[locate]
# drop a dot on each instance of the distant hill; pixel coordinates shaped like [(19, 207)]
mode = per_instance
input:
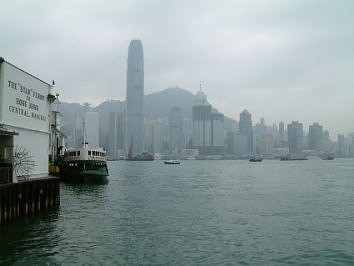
[(156, 105)]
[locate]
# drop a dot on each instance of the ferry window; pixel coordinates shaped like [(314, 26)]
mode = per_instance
[(89, 152), (78, 153)]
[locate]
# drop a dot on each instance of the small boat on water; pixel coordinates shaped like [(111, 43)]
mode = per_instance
[(172, 162), (328, 157), (84, 165), (293, 158), (145, 156), (255, 158)]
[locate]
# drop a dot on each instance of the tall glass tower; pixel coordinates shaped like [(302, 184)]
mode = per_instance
[(245, 129), (135, 96), (175, 129)]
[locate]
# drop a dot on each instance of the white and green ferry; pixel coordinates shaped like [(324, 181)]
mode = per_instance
[(84, 164)]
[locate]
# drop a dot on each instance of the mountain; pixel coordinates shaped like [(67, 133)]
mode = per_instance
[(159, 103)]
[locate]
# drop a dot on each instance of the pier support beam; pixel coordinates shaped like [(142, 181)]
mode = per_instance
[(28, 198)]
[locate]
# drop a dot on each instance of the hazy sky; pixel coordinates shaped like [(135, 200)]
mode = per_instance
[(281, 60)]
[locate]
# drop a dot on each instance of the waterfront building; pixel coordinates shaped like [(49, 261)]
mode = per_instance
[(260, 128), (315, 137), (208, 127), (188, 132), (245, 129), (154, 136), (57, 138), (218, 134), (25, 109), (201, 121), (327, 143), (176, 141), (27, 128), (295, 137), (266, 144), (229, 142), (342, 145), (117, 134), (135, 96), (241, 147), (281, 135), (92, 129)]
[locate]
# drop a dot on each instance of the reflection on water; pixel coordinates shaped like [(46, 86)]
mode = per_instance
[(92, 189), (19, 240), (198, 213)]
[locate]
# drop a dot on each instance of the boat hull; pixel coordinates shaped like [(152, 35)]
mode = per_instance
[(293, 159), (256, 160), (172, 162), (84, 171)]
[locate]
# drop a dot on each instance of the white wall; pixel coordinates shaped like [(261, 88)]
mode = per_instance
[(25, 109), (36, 143), (23, 100)]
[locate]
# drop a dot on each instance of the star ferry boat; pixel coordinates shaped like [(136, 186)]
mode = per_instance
[(84, 165)]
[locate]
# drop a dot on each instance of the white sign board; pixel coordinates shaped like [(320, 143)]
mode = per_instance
[(23, 99)]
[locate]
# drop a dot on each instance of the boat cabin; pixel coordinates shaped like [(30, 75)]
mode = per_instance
[(85, 153)]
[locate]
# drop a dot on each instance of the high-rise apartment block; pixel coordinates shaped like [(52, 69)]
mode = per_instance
[(208, 127), (176, 129), (315, 138), (245, 129), (155, 136), (117, 134), (295, 137), (92, 129)]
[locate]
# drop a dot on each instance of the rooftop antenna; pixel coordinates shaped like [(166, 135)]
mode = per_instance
[(200, 86)]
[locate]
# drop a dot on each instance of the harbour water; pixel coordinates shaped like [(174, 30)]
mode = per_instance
[(196, 213)]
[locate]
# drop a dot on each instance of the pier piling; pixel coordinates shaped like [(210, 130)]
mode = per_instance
[(28, 198)]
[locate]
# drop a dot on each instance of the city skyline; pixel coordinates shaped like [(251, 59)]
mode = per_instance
[(282, 60), (235, 117)]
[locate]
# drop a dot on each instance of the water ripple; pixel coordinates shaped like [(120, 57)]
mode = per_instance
[(200, 213)]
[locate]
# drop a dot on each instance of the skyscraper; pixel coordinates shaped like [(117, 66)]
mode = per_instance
[(201, 121), (135, 96), (175, 128), (245, 129), (316, 137), (208, 127), (91, 128), (281, 135), (117, 134), (295, 137)]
